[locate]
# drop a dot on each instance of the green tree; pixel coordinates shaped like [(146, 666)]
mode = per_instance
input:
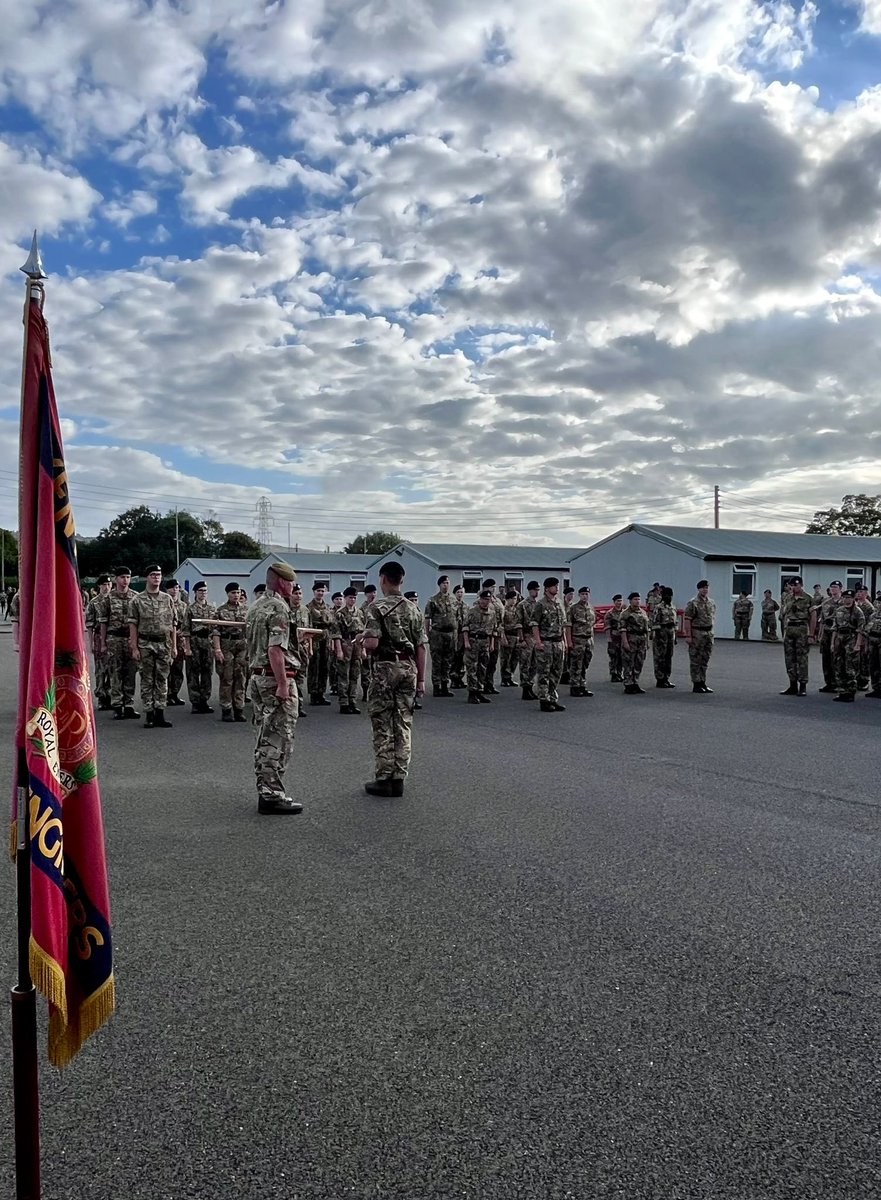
[(236, 544), (378, 542), (140, 536), (9, 550), (858, 516)]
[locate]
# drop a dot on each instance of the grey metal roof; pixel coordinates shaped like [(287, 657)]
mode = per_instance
[(222, 566), (324, 562), (764, 545), (462, 554)]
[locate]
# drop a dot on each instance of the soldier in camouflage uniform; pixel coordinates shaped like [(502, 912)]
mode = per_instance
[(102, 662), (799, 629), (742, 612), (865, 605), (442, 626), (366, 663), (652, 600), (512, 637), (700, 617), (873, 639), (114, 611), (663, 622), (395, 637), (198, 634), (634, 626), (153, 644), (550, 632), (176, 674), (847, 643), (582, 619), (489, 675), (480, 630), (302, 644), (613, 628), (770, 608), (273, 665), (320, 617), (527, 652), (230, 647), (568, 601), (346, 635), (828, 605)]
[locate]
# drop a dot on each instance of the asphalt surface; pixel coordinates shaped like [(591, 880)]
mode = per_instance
[(626, 951)]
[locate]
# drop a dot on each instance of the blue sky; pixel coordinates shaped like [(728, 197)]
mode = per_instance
[(469, 272)]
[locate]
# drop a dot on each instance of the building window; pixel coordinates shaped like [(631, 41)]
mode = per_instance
[(358, 582), (788, 572), (854, 578), (743, 578), (471, 582), (514, 581)]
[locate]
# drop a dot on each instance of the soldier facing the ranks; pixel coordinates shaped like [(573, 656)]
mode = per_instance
[(663, 623), (347, 635), (320, 617), (613, 628), (176, 674), (582, 620), (273, 665), (828, 605), (197, 631), (113, 627), (770, 609), (442, 626), (700, 618), (153, 645), (549, 625), (742, 612), (480, 630), (102, 664), (849, 624), (395, 638), (230, 647), (799, 631), (634, 626)]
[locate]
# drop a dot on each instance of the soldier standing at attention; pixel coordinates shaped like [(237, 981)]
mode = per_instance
[(320, 617), (114, 612), (102, 664), (395, 637), (199, 637), (865, 605), (770, 608), (828, 606), (568, 601), (489, 680), (176, 674), (442, 626), (153, 644), (273, 665), (873, 638), (457, 670), (801, 624), (849, 624), (742, 612), (652, 600), (663, 622), (512, 636), (230, 647), (613, 627), (527, 652), (336, 603), (369, 597), (550, 628), (347, 635), (582, 619), (479, 632), (700, 617), (302, 643), (634, 628)]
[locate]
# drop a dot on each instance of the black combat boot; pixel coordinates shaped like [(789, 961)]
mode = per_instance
[(473, 698), (792, 690), (227, 715), (119, 713), (380, 787), (354, 711), (707, 691), (130, 714), (397, 787), (803, 688), (698, 688), (846, 697), (159, 721), (238, 715), (482, 699), (547, 706), (148, 718), (528, 694)]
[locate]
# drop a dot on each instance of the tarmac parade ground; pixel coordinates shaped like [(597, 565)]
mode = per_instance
[(627, 951)]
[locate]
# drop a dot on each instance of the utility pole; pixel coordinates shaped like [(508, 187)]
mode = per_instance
[(176, 539), (716, 507)]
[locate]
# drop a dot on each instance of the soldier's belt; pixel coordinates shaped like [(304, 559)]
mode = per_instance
[(702, 628), (443, 629), (117, 633), (153, 637), (477, 637), (201, 633), (289, 674), (393, 656), (552, 639)]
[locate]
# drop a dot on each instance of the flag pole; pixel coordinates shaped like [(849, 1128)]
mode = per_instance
[(23, 996)]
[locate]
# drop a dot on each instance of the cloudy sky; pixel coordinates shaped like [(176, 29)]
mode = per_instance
[(494, 271)]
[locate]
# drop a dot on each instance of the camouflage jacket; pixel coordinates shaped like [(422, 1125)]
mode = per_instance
[(199, 608), (441, 611), (634, 622), (348, 624), (268, 623), (229, 612), (663, 616), (480, 623), (848, 622), (549, 618), (115, 609), (582, 618), (398, 625), (613, 622), (701, 612), (742, 607), (154, 615), (797, 610), (828, 607)]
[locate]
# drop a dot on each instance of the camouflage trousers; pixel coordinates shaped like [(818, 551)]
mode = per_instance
[(442, 643), (549, 668), (233, 673), (847, 665), (123, 671), (510, 658), (176, 676), (319, 665), (476, 660), (796, 653), (580, 658), (155, 665), (663, 645), (275, 721), (699, 650), (741, 627), (489, 673), (827, 657), (616, 657), (102, 678), (527, 663), (199, 666), (769, 627), (457, 671), (348, 673), (875, 661), (390, 704), (634, 658)]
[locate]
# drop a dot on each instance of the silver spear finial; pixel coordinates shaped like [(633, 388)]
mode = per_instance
[(33, 268)]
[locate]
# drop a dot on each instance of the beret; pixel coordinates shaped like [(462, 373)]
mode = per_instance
[(533, 583), (617, 596), (633, 596), (151, 570), (122, 571), (847, 592), (200, 585), (703, 583), (171, 583), (551, 581), (337, 596), (260, 588), (232, 587), (836, 583), (283, 571), (350, 591), (582, 591), (103, 579)]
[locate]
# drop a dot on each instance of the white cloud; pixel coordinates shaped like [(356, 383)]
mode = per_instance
[(39, 192)]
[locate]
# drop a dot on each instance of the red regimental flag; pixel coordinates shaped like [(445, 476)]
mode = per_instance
[(70, 947)]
